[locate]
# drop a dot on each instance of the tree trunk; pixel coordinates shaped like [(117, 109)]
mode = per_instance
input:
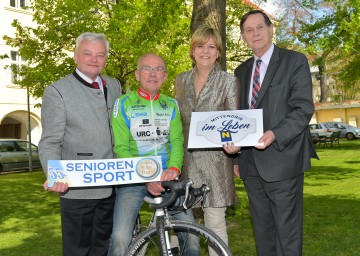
[(211, 12), (323, 85)]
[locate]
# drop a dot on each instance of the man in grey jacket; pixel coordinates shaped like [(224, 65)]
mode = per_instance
[(76, 113)]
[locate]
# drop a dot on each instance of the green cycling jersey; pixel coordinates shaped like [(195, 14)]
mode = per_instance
[(148, 127)]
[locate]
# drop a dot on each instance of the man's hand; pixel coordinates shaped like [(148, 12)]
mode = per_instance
[(155, 188), (59, 187), (169, 175), (267, 138)]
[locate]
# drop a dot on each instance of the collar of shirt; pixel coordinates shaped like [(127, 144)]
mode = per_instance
[(265, 60), (98, 79), (147, 95)]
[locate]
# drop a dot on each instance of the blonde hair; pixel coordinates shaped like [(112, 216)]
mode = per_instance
[(201, 35)]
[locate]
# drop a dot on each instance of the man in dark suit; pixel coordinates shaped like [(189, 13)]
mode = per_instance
[(76, 121), (273, 173)]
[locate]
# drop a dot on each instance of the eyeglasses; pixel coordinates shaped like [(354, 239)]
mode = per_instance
[(157, 70)]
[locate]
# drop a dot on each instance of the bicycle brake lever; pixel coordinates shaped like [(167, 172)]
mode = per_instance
[(205, 190), (187, 187)]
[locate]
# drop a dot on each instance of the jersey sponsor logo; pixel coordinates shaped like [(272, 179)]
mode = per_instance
[(163, 104), (136, 115), (138, 106), (143, 133), (161, 122), (116, 108), (159, 132), (147, 168), (162, 114)]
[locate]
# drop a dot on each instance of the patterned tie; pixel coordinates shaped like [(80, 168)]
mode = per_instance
[(256, 83), (95, 85)]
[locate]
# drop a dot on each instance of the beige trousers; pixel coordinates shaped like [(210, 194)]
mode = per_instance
[(214, 219)]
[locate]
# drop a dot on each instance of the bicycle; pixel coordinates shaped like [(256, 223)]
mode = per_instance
[(156, 239)]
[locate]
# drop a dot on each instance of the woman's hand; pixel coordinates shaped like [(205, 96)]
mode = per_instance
[(230, 148)]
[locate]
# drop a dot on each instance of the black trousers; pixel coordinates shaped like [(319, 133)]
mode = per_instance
[(86, 226), (277, 213)]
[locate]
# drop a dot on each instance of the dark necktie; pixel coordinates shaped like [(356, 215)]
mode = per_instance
[(255, 84), (95, 85)]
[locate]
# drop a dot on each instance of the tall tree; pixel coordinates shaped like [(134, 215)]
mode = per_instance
[(211, 12)]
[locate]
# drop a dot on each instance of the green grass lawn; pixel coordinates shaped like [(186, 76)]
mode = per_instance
[(30, 220)]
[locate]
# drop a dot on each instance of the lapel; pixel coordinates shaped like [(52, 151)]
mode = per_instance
[(270, 72), (248, 73)]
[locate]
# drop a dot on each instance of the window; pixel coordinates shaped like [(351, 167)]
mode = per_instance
[(23, 146), (19, 3), (16, 61)]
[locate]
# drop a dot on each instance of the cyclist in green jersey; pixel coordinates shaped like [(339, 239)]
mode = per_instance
[(147, 123)]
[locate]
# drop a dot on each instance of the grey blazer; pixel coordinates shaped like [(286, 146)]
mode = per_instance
[(286, 99), (76, 122)]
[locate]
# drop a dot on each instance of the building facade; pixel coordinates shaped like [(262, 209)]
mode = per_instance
[(15, 119), (333, 110)]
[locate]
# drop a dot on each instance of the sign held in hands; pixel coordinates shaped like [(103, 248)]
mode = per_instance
[(87, 173), (214, 129)]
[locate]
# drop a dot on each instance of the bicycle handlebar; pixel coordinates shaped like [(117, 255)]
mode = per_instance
[(176, 188)]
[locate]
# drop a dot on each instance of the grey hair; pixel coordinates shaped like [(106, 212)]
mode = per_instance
[(94, 37)]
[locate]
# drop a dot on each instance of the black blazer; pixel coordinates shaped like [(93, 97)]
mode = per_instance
[(286, 99)]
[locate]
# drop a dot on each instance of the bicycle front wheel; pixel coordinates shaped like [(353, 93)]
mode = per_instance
[(148, 240)]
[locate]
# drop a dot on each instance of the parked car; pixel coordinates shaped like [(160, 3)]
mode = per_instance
[(346, 131), (14, 155), (322, 129)]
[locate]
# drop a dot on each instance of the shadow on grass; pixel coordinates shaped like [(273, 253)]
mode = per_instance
[(317, 174), (352, 162), (344, 145)]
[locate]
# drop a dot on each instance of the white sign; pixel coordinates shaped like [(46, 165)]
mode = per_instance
[(87, 173), (214, 129)]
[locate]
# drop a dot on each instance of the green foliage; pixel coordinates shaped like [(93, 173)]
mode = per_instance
[(328, 33), (330, 37), (132, 28), (236, 50)]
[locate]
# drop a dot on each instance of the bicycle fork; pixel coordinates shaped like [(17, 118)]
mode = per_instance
[(163, 234)]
